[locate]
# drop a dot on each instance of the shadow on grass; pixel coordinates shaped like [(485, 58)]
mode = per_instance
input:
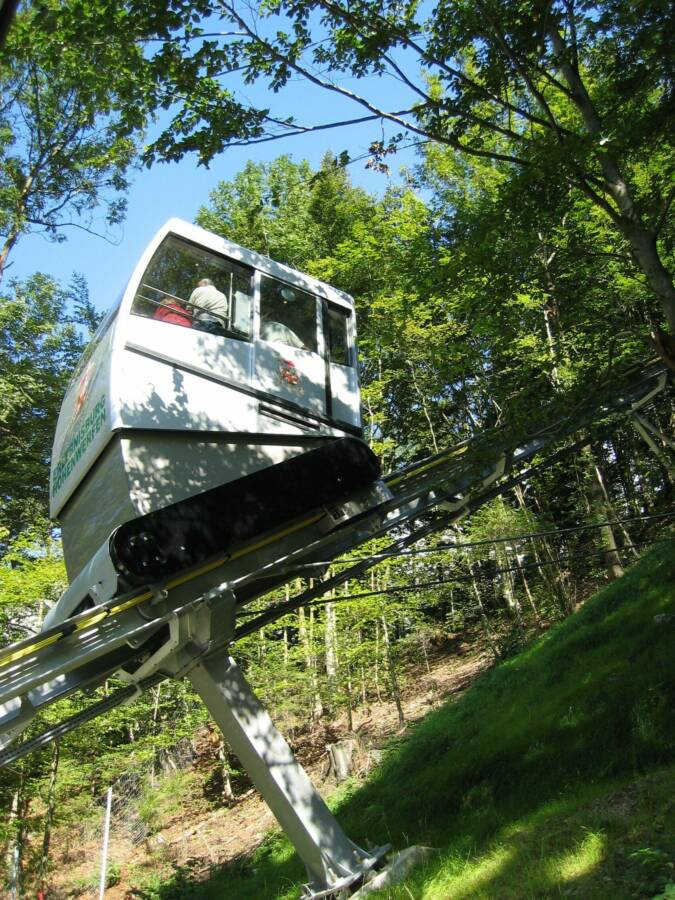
[(489, 779), (272, 871), (606, 841)]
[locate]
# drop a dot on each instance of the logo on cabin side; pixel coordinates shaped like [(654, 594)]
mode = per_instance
[(289, 373), (78, 444)]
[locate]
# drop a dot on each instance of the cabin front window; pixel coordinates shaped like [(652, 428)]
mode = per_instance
[(287, 315), (190, 286)]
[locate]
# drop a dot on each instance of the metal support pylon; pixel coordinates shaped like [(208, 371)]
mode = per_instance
[(650, 433), (334, 863)]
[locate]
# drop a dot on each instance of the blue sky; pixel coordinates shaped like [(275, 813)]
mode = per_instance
[(179, 189)]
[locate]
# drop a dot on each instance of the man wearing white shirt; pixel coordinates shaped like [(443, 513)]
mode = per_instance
[(210, 306)]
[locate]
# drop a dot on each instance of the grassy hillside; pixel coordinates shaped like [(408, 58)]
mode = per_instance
[(553, 776)]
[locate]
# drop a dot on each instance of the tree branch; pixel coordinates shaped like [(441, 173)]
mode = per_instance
[(279, 57), (405, 40), (522, 71)]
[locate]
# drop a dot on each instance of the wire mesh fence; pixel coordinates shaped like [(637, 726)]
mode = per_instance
[(78, 871)]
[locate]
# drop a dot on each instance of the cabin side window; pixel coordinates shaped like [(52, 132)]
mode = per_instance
[(338, 336), (189, 286), (93, 344), (287, 314)]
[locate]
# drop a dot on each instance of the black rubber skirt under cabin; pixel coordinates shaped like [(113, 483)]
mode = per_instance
[(184, 534)]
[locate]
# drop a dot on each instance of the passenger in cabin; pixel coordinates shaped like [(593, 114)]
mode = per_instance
[(209, 307), (172, 310), (278, 307), (276, 331)]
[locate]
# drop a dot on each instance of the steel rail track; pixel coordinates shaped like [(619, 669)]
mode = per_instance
[(88, 648)]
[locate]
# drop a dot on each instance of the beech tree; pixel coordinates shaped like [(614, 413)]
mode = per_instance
[(39, 346), (537, 272), (288, 211), (65, 150), (578, 93)]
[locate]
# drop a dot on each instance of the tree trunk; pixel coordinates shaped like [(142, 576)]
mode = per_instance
[(602, 509), (15, 845), (341, 756), (350, 701), (507, 580), (362, 672), (626, 217), (155, 713), (391, 670), (18, 215), (489, 634), (346, 663), (330, 636), (424, 638), (5, 251), (547, 563), (377, 645), (646, 255), (551, 308), (306, 640), (228, 792), (626, 472), (528, 594), (554, 575), (425, 407), (49, 818)]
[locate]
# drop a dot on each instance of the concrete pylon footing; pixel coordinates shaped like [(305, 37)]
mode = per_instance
[(401, 865)]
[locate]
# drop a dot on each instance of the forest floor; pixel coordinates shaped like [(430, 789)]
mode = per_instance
[(195, 839)]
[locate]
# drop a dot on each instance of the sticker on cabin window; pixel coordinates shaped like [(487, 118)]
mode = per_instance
[(289, 372), (83, 388)]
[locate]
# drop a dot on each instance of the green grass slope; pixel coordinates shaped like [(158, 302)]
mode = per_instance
[(553, 776)]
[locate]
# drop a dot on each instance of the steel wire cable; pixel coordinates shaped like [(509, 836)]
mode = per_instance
[(424, 585), (483, 578), (448, 545), (75, 721)]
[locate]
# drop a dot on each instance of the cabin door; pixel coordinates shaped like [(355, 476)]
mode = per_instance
[(289, 354), (343, 397)]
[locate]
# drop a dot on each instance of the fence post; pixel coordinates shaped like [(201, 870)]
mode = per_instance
[(104, 850)]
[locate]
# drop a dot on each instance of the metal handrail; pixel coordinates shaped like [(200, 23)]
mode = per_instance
[(225, 321)]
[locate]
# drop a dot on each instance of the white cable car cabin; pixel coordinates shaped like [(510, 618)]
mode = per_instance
[(202, 414)]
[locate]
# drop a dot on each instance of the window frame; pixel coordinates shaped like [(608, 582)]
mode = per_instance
[(97, 337), (228, 331), (318, 316), (348, 315)]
